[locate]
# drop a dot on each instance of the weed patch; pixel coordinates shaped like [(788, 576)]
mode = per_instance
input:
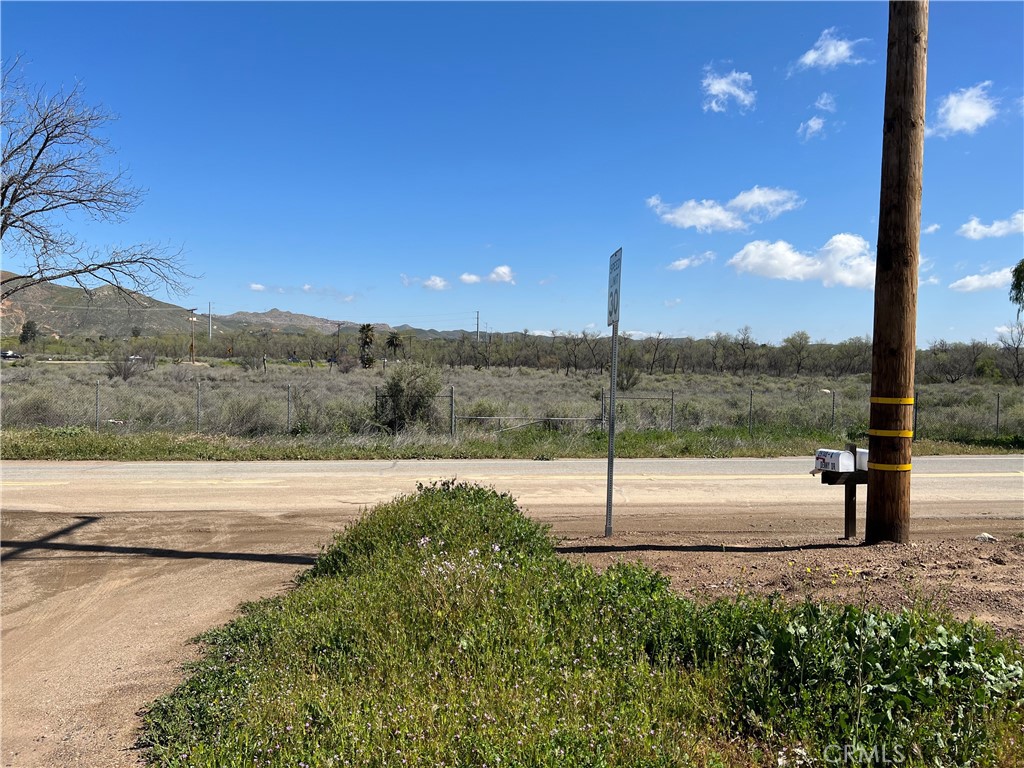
[(442, 629)]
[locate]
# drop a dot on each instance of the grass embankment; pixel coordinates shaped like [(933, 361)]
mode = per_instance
[(442, 629), (82, 444)]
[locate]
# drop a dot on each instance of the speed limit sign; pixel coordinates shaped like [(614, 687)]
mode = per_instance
[(614, 279)]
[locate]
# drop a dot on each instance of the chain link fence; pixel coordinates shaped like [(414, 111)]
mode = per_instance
[(325, 407)]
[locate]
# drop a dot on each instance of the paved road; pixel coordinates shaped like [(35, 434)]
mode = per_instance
[(944, 485), (109, 568)]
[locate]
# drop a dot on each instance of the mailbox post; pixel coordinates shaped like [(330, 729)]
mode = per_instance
[(844, 468)]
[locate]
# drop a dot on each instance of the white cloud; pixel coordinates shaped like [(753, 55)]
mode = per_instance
[(407, 281), (844, 260), (718, 89), (826, 102), (830, 51), (469, 279), (692, 261), (972, 283), (975, 230), (673, 302), (257, 287), (964, 111), (765, 202), (502, 274), (703, 215), (811, 128), (435, 283), (751, 206), (931, 229), (306, 288)]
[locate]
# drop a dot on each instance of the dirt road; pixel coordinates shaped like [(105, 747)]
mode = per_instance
[(108, 569)]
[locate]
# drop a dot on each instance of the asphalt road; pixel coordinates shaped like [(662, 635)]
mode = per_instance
[(942, 486), (109, 568)]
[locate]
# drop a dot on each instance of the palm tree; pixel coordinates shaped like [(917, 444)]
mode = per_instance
[(366, 345), (394, 343)]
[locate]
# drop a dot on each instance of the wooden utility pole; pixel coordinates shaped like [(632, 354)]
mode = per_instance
[(899, 230), (192, 342)]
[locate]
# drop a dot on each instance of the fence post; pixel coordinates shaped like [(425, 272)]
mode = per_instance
[(97, 406), (750, 416), (672, 413), (288, 420), (453, 412), (604, 416), (997, 414), (199, 408)]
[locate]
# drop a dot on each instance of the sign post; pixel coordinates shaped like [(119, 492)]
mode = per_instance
[(614, 280)]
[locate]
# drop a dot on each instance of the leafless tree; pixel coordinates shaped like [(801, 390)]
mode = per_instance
[(745, 344), (1012, 343), (651, 347), (54, 167)]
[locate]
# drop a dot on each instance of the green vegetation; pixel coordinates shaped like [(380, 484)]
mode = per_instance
[(83, 443), (442, 629), (294, 411), (29, 332)]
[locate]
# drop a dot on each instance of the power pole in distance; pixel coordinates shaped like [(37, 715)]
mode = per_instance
[(192, 343), (899, 229)]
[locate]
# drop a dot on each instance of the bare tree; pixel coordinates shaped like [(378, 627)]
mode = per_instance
[(650, 347), (1012, 348), (54, 167), (744, 341)]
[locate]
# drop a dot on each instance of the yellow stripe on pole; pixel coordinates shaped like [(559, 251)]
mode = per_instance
[(893, 400), (891, 432), (889, 467)]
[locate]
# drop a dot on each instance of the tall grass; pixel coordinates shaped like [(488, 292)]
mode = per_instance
[(225, 399), (442, 630)]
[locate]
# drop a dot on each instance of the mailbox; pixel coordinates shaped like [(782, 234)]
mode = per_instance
[(834, 461), (862, 459), (826, 460), (848, 468)]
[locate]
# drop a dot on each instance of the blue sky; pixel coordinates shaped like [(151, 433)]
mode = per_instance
[(417, 163)]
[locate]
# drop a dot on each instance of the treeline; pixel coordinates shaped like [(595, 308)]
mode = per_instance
[(571, 353)]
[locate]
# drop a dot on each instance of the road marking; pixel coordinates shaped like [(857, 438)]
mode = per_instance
[(214, 481), (709, 477), (33, 483)]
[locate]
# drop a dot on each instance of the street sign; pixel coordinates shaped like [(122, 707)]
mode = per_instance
[(614, 276), (614, 279)]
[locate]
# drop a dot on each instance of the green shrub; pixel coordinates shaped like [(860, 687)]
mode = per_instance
[(443, 628), (407, 395)]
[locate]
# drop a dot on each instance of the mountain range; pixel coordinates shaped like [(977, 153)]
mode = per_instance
[(61, 310)]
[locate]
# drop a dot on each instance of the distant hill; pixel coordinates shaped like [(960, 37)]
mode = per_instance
[(62, 310), (69, 311), (282, 321)]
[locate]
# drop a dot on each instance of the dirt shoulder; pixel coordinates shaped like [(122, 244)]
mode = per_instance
[(98, 607)]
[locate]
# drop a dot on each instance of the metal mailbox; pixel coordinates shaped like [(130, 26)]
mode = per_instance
[(827, 460)]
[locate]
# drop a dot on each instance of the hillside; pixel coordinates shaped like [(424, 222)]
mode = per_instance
[(62, 310)]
